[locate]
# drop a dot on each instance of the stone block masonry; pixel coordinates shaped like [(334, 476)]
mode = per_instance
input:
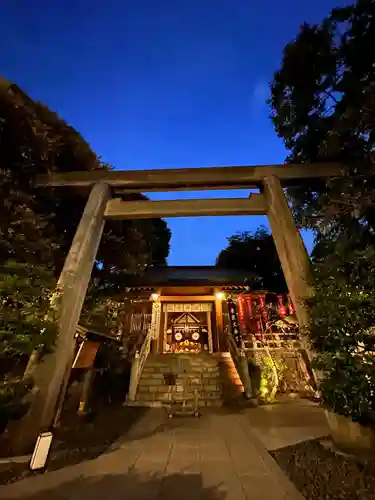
[(212, 376)]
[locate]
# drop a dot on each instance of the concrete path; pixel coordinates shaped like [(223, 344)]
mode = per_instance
[(288, 422), (215, 457)]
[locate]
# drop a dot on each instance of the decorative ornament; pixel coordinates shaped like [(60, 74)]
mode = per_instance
[(195, 336), (178, 336)]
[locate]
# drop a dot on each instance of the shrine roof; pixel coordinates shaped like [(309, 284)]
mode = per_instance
[(190, 275)]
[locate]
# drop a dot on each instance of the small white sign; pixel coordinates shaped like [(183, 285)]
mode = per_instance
[(41, 450)]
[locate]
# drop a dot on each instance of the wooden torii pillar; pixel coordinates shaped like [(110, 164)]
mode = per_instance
[(67, 302), (292, 253)]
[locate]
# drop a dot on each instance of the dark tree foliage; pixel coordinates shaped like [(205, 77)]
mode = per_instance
[(256, 253), (36, 230), (342, 329), (323, 107), (25, 292), (34, 140)]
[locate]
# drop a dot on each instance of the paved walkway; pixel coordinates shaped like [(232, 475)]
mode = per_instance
[(288, 422), (215, 457)]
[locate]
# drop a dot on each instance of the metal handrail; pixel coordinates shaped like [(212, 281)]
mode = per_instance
[(138, 363)]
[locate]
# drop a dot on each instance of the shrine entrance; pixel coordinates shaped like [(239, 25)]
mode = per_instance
[(108, 198), (187, 328)]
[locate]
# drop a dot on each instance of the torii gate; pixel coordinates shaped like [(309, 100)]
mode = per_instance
[(103, 186)]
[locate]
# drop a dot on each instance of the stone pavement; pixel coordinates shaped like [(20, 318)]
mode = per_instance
[(215, 457), (288, 422)]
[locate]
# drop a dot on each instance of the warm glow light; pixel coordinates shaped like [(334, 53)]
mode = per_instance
[(154, 297), (220, 295)]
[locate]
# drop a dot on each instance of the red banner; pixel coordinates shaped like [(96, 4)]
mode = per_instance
[(241, 312)]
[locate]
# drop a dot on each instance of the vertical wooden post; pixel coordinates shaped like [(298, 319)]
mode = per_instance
[(209, 328), (134, 377), (163, 335), (71, 292), (219, 323), (155, 325)]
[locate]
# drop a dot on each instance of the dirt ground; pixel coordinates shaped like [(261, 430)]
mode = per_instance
[(320, 473), (78, 439)]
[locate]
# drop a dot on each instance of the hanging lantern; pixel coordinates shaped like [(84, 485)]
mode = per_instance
[(281, 307), (249, 306)]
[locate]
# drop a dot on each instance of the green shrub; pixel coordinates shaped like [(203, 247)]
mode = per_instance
[(342, 330)]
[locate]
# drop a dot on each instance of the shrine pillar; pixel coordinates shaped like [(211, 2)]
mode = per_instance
[(66, 305), (292, 253), (155, 325), (220, 344)]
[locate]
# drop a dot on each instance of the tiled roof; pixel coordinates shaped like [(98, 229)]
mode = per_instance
[(189, 275)]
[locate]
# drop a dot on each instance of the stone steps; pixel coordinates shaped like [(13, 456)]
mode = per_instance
[(212, 377)]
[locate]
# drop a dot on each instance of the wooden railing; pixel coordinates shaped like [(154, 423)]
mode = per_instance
[(240, 361), (138, 363)]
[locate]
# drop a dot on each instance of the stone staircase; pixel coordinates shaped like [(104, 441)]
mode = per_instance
[(214, 376)]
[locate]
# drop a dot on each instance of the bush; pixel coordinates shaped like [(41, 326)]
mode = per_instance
[(342, 330), (25, 292)]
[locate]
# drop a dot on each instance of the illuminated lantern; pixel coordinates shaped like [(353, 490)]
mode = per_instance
[(281, 307), (249, 306)]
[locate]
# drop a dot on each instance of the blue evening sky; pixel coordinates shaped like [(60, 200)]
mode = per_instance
[(161, 84)]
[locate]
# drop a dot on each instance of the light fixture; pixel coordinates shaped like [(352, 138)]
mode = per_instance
[(41, 451), (220, 295), (154, 297)]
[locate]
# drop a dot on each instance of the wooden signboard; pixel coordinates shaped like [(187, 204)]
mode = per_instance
[(86, 354), (155, 320)]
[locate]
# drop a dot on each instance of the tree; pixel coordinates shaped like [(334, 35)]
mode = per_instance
[(255, 253), (25, 292), (323, 107), (37, 227), (342, 329), (35, 140)]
